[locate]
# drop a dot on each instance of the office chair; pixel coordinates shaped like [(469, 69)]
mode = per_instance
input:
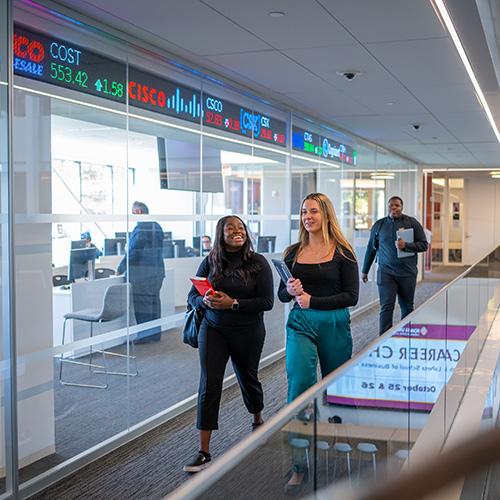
[(60, 280), (114, 306), (103, 272)]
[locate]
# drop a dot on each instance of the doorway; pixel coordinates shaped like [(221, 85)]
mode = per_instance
[(447, 206)]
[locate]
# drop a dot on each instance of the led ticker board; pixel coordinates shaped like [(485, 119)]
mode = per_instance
[(151, 92), (58, 62), (318, 145), (231, 117), (67, 65)]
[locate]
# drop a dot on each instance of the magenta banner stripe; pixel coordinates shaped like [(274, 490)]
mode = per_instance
[(441, 332), (403, 405)]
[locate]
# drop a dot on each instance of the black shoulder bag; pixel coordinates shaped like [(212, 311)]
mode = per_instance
[(192, 322)]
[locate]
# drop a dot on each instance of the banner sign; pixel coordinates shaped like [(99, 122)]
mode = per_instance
[(407, 371)]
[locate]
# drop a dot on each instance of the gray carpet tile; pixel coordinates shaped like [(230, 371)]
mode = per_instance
[(151, 466)]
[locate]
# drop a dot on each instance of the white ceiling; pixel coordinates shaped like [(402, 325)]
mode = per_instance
[(410, 70)]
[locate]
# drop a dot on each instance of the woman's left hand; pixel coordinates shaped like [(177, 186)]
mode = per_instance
[(218, 301), (304, 300)]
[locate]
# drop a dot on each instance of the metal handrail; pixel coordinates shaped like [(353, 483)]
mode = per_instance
[(236, 454), (467, 458)]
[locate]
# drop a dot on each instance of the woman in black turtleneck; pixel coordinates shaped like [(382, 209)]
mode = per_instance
[(233, 326)]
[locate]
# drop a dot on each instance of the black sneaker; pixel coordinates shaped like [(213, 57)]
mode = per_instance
[(200, 462)]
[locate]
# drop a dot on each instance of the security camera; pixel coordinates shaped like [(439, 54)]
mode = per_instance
[(416, 126), (349, 75)]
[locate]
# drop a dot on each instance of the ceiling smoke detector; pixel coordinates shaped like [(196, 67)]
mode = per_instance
[(349, 74)]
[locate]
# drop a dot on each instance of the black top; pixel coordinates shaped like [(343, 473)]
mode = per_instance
[(332, 285), (383, 241), (254, 296)]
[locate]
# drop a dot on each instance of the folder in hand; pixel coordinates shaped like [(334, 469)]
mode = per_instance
[(407, 236), (282, 269), (202, 285)]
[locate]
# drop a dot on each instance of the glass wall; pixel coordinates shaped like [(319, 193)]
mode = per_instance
[(98, 125), (7, 427)]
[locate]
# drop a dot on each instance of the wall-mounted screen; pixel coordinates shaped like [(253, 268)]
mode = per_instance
[(179, 165)]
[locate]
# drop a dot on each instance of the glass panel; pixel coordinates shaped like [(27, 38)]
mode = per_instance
[(5, 433), (70, 189)]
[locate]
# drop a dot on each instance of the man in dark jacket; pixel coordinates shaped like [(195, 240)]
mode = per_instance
[(145, 271), (397, 272)]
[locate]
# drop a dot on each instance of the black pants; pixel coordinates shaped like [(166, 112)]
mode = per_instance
[(244, 347), (390, 286), (147, 306)]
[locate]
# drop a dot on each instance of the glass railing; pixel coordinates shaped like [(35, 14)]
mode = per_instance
[(369, 418)]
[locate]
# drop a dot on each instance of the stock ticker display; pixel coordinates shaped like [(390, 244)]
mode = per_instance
[(62, 63), (323, 147)]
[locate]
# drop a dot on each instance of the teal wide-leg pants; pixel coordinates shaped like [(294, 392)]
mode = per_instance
[(314, 335)]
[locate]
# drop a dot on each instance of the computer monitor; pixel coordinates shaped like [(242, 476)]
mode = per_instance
[(174, 248), (167, 235), (78, 244), (122, 234), (197, 243), (266, 244), (114, 246), (82, 263)]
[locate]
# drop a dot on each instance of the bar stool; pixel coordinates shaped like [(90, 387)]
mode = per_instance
[(400, 457), (342, 448), (302, 444), (368, 449), (324, 446)]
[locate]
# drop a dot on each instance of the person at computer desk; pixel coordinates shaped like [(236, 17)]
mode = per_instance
[(85, 236), (206, 244), (146, 271)]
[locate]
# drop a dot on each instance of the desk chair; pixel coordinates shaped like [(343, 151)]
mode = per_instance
[(60, 280), (103, 272), (114, 306)]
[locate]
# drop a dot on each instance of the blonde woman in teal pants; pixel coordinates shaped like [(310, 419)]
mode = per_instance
[(325, 284)]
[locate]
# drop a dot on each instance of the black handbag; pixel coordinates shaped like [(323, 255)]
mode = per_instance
[(192, 322)]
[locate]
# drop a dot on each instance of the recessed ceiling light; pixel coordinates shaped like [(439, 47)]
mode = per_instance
[(390, 103), (276, 13)]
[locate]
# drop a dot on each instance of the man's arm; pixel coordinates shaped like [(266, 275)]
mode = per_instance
[(371, 250), (133, 251), (419, 240)]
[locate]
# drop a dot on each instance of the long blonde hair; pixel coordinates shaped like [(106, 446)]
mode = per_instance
[(330, 228)]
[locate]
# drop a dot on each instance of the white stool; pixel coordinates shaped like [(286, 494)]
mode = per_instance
[(347, 450), (368, 449), (302, 444), (324, 446), (399, 458)]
